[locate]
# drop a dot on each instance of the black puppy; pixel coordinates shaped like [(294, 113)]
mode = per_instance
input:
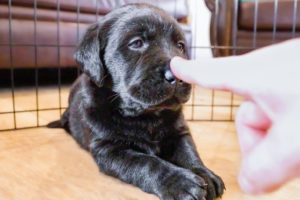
[(126, 107)]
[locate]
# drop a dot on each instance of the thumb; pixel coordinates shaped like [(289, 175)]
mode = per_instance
[(266, 167), (251, 125)]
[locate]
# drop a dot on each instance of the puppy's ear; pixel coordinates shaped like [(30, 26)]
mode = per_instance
[(88, 55)]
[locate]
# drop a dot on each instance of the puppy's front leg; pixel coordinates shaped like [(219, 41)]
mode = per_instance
[(148, 172), (184, 154)]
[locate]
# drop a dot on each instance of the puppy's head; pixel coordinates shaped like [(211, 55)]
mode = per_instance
[(133, 45)]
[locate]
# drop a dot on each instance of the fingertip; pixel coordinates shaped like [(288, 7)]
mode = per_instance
[(176, 63), (249, 180), (245, 185), (179, 68), (261, 171), (249, 186)]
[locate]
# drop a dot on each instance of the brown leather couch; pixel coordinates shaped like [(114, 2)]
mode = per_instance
[(246, 25), (47, 36)]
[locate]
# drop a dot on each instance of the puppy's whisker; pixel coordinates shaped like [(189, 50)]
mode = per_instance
[(103, 78), (113, 97), (91, 133), (116, 97)]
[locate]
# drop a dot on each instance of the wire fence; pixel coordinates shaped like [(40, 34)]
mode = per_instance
[(36, 47)]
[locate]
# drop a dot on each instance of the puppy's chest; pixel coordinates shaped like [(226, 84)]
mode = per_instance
[(145, 136), (151, 138), (154, 130)]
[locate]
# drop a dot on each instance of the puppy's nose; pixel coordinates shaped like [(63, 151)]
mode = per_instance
[(169, 76)]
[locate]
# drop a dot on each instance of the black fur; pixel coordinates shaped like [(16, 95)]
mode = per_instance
[(126, 107)]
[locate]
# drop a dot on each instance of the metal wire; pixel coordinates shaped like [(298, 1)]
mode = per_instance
[(77, 27), (12, 65), (58, 55), (234, 44), (275, 21), (193, 52), (254, 42), (33, 110), (35, 64), (190, 47), (294, 18), (213, 91)]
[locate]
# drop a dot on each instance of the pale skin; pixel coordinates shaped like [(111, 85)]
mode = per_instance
[(268, 121)]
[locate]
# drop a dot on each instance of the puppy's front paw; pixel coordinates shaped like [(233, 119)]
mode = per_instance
[(215, 185), (183, 185)]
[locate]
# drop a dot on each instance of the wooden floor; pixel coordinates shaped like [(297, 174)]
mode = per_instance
[(42, 164)]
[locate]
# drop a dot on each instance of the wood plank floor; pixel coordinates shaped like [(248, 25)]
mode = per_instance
[(47, 164)]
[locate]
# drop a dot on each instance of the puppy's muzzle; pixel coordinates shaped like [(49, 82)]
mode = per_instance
[(169, 76)]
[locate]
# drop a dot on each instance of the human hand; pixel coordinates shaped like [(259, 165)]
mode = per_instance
[(267, 122)]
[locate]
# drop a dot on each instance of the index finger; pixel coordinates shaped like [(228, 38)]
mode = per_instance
[(229, 73)]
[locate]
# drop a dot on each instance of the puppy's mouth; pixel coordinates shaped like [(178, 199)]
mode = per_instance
[(141, 99), (169, 104), (170, 101)]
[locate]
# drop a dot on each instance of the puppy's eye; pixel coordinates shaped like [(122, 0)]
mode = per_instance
[(136, 43), (181, 46)]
